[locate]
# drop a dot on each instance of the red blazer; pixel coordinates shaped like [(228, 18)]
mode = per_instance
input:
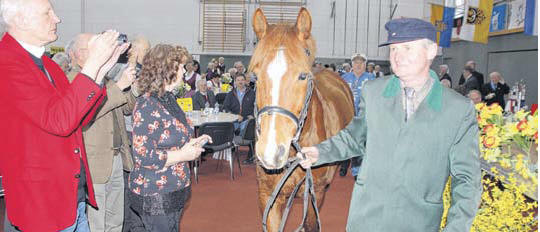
[(41, 139)]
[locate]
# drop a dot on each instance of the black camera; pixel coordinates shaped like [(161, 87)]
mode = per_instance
[(122, 38), (138, 68)]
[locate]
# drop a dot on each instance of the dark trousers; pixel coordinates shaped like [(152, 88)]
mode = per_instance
[(131, 219), (157, 223)]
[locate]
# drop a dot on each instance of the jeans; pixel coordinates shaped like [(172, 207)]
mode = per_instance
[(80, 225), (241, 126)]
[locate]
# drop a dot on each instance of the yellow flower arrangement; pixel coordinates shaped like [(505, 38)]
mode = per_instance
[(506, 144)]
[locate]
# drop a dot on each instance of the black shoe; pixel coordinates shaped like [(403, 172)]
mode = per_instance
[(250, 160), (343, 171)]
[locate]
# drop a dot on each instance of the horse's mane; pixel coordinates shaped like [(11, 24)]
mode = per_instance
[(285, 36)]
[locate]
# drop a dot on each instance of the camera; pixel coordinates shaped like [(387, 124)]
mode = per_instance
[(122, 38), (138, 68)]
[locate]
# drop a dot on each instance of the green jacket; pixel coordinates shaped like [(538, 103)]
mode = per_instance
[(406, 164)]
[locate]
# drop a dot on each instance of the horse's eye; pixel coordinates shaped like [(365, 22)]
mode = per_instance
[(302, 76)]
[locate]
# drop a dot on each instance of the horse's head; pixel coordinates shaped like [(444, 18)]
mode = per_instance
[(282, 62)]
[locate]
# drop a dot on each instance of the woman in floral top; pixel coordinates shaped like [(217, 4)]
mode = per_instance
[(160, 183)]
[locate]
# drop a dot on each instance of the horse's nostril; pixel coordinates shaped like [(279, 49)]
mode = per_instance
[(280, 152)]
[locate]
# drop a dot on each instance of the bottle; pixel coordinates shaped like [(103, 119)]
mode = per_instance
[(206, 108), (216, 108)]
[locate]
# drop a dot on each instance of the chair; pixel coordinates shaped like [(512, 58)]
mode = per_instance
[(222, 134), (220, 98), (248, 139)]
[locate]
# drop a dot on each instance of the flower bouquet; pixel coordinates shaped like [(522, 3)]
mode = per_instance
[(226, 80), (181, 90), (509, 154)]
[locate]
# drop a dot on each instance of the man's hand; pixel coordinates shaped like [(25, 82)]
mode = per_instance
[(118, 50), (250, 117), (100, 49), (127, 78), (312, 155), (240, 118)]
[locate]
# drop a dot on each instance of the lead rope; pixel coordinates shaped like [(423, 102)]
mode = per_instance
[(309, 189)]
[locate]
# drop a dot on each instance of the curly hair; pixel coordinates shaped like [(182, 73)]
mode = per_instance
[(160, 67)]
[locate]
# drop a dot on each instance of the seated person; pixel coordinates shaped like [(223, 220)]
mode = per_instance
[(240, 101), (202, 96)]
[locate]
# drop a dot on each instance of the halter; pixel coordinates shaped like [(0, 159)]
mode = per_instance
[(298, 121), (292, 164)]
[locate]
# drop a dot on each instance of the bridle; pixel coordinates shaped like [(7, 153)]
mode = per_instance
[(309, 189), (298, 121)]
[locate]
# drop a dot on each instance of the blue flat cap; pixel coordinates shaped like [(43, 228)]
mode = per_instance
[(409, 29)]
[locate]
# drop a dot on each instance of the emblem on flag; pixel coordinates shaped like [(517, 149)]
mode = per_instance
[(475, 16)]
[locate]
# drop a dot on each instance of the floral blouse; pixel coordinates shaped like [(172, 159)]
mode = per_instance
[(156, 130)]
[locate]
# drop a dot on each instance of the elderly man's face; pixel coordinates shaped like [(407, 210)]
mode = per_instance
[(202, 86), (239, 68), (443, 69), (359, 65), (41, 23), (495, 78), (409, 59), (475, 97)]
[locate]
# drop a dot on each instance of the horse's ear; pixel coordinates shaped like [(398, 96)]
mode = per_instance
[(259, 23), (303, 24)]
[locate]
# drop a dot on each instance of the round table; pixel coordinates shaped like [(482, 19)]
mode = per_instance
[(198, 118)]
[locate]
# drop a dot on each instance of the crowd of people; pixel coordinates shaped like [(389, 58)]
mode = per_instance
[(102, 126)]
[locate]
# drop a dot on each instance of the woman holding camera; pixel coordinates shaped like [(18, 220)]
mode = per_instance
[(160, 181)]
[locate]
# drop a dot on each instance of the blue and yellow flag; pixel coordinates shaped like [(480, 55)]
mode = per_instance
[(443, 18), (476, 21)]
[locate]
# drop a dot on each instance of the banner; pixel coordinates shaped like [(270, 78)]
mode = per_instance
[(476, 20), (443, 19), (531, 17), (186, 104), (516, 17), (498, 18)]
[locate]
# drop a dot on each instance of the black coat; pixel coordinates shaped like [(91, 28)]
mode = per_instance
[(479, 78), (499, 91), (199, 100), (231, 103), (447, 77), (468, 85)]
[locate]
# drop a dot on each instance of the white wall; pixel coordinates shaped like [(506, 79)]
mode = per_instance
[(177, 21)]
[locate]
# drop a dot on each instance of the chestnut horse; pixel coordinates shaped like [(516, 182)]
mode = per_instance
[(281, 61)]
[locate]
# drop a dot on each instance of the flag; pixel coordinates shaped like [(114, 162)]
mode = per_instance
[(476, 20), (498, 18), (443, 19), (516, 14), (531, 17)]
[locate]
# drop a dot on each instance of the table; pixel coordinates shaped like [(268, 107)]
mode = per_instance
[(198, 118)]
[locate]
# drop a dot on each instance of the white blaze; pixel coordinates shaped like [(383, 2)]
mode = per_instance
[(276, 70)]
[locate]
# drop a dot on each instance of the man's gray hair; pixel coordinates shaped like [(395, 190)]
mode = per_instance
[(199, 82), (446, 67), (346, 65), (238, 63), (10, 8), (474, 91)]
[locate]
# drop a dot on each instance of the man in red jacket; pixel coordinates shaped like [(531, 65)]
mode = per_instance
[(43, 160)]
